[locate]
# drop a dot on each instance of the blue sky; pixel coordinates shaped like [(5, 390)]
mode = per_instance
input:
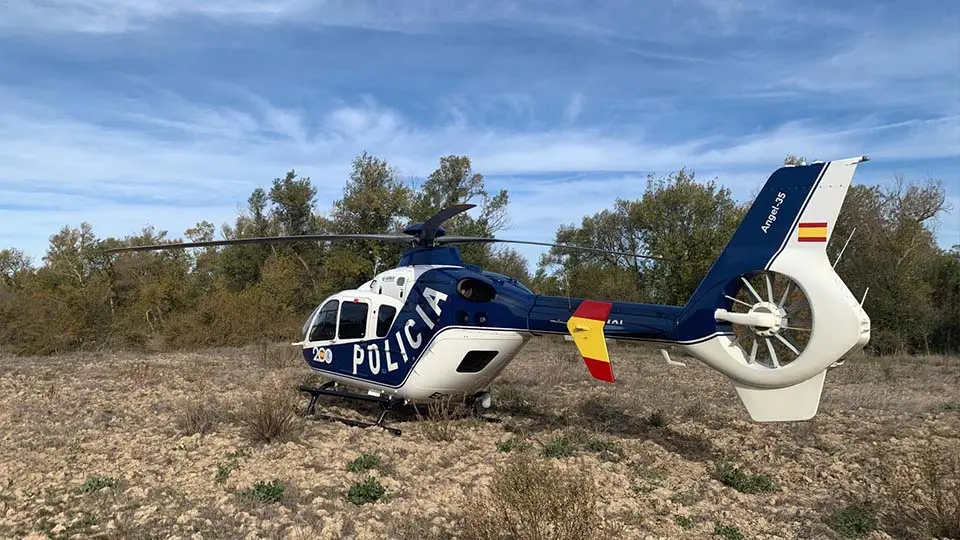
[(124, 113)]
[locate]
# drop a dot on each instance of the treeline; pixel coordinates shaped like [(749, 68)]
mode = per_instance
[(81, 298)]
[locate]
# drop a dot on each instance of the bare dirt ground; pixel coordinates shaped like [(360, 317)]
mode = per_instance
[(166, 446)]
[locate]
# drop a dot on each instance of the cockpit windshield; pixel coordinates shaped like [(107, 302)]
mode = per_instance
[(306, 324), (325, 327)]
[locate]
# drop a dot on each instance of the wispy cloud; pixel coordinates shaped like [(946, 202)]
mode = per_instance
[(213, 157)]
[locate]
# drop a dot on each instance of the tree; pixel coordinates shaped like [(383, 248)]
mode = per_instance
[(454, 181), (677, 218), (374, 201), (892, 251), (14, 263)]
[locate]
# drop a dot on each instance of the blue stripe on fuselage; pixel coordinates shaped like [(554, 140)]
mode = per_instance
[(763, 233), (389, 360)]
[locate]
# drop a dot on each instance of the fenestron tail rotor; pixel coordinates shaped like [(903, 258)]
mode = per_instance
[(771, 319)]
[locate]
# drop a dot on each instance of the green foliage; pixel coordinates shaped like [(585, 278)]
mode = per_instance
[(677, 217), (914, 289), (657, 418), (511, 444), (683, 521), (742, 481), (559, 447), (224, 468), (364, 462), (727, 532), (607, 450), (854, 520), (96, 483), (265, 492), (367, 491)]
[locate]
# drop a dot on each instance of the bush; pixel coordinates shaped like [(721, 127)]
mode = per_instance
[(271, 416), (532, 500), (364, 462), (657, 418), (198, 415), (924, 489), (96, 483), (854, 520), (558, 447), (368, 491), (264, 493), (728, 532)]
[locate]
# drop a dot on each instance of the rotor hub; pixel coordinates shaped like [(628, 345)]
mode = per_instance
[(768, 311)]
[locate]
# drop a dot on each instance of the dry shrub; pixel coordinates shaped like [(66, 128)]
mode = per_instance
[(925, 493), (441, 416), (533, 500), (199, 415), (271, 415), (140, 373)]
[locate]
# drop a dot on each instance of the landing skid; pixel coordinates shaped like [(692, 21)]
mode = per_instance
[(386, 405)]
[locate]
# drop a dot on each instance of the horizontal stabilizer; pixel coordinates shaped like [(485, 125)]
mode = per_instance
[(788, 404), (586, 326)]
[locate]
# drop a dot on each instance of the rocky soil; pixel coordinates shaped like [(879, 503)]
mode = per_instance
[(170, 445)]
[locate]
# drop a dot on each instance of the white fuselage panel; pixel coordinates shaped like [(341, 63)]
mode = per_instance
[(436, 372)]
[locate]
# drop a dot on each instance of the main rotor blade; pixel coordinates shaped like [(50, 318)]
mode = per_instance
[(443, 215), (477, 239), (270, 240)]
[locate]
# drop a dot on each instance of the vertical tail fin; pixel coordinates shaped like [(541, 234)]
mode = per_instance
[(795, 317), (586, 326)]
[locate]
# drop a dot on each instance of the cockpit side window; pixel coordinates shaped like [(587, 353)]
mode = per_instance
[(325, 326), (353, 320), (385, 319)]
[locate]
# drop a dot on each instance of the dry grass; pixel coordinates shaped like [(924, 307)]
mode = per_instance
[(924, 489), (533, 500), (271, 415), (176, 445)]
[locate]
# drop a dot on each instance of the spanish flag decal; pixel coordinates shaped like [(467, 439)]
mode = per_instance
[(586, 327), (812, 232)]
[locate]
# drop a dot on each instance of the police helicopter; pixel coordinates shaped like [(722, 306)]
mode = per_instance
[(771, 313)]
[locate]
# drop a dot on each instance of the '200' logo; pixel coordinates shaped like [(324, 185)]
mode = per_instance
[(322, 355)]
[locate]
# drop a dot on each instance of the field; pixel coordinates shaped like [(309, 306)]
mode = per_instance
[(209, 445)]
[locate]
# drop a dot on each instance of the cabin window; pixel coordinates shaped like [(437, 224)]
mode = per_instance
[(475, 290), (385, 319), (353, 320), (325, 326)]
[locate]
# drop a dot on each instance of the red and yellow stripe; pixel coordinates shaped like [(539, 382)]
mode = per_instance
[(586, 327), (812, 232)]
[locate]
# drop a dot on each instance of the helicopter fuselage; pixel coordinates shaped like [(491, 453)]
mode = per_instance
[(425, 331)]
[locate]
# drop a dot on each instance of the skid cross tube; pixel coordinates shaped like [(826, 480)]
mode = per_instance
[(386, 404)]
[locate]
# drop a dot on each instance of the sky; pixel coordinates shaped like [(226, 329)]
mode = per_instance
[(128, 113)]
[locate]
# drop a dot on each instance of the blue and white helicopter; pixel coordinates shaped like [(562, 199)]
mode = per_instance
[(771, 314)]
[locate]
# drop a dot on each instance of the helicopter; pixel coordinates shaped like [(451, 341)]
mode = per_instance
[(771, 314)]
